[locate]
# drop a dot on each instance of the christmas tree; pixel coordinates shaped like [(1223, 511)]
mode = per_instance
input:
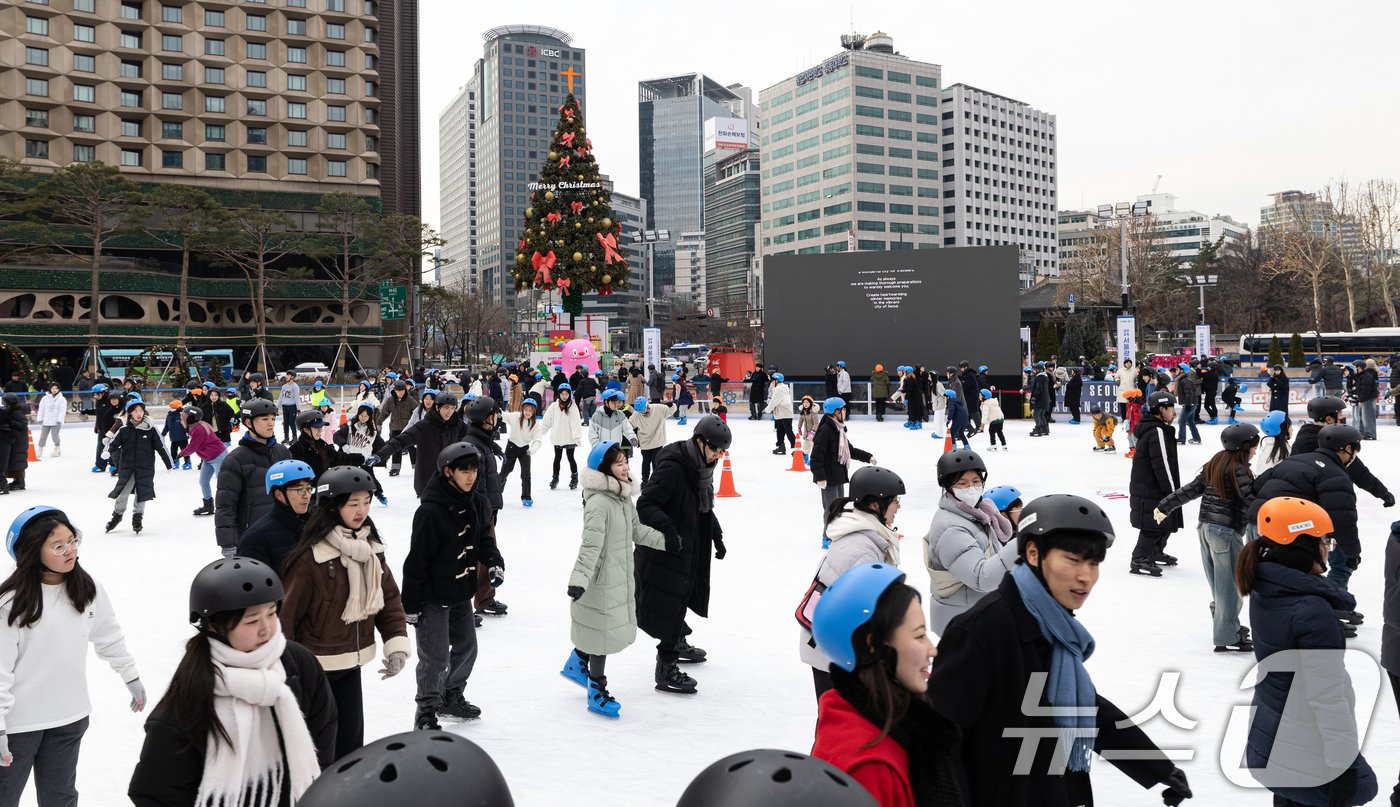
[(571, 240)]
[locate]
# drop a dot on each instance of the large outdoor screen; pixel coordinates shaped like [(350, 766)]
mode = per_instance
[(933, 307)]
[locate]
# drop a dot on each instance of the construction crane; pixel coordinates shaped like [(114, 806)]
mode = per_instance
[(1158, 182)]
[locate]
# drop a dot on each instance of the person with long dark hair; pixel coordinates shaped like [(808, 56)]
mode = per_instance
[(248, 718), (1277, 432), (877, 723), (1224, 486), (565, 429), (1310, 756), (340, 591), (51, 609)]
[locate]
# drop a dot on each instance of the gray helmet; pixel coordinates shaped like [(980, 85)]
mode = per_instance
[(1324, 406), (1160, 400), (874, 482), (714, 432), (232, 584), (955, 462), (194, 413), (257, 408), (258, 377), (399, 385), (1235, 437), (1338, 436), (480, 409), (418, 767), (1062, 512), (343, 479), (458, 452), (773, 779), (311, 417)]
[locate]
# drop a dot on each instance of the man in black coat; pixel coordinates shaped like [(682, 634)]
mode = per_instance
[(678, 501), (271, 537), (1326, 411), (970, 395), (828, 472), (481, 419), (758, 392), (1042, 400), (1278, 389), (439, 428), (1366, 387), (241, 497), (1210, 388), (1155, 475)]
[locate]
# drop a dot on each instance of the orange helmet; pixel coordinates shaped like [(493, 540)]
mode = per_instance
[(1283, 519), (176, 404), (879, 368), (1133, 393)]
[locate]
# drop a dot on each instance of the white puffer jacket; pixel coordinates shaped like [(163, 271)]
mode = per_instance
[(523, 434), (856, 537), (52, 409), (564, 428)]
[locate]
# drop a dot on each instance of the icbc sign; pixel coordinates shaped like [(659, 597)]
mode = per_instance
[(533, 51)]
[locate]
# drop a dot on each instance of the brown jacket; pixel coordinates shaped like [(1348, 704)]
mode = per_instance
[(636, 388), (317, 588)]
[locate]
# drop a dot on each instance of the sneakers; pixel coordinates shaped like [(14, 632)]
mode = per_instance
[(1145, 567), (669, 678), (599, 701), (689, 654), (496, 608), (114, 521), (425, 720), (455, 707), (576, 669)]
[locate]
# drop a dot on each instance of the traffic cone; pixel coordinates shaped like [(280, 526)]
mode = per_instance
[(947, 439), (343, 418), (33, 457), (799, 462), (726, 480)]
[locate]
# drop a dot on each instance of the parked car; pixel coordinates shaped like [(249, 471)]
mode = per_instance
[(310, 371)]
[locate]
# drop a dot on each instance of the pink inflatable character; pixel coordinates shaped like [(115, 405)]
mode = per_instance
[(576, 352)]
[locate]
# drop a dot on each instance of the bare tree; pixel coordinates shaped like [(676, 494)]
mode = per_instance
[(401, 243), (343, 219), (252, 240), (1378, 208), (1337, 207), (464, 323), (1306, 257), (183, 217)]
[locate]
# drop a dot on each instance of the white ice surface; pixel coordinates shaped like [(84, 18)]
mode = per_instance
[(754, 692)]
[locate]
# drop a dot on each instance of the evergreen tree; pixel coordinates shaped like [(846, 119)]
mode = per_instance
[(571, 239), (1275, 352), (1047, 341), (1296, 356)]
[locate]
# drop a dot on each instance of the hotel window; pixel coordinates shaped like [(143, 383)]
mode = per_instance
[(214, 47), (296, 137), (335, 113), (257, 164), (36, 86), (296, 110), (172, 131), (214, 19), (36, 25), (257, 106), (215, 103), (257, 78), (172, 159), (172, 14), (84, 64), (87, 33), (335, 86), (213, 75), (295, 82), (257, 22), (37, 118), (214, 162), (257, 50), (131, 157), (335, 58), (296, 27), (335, 140), (172, 72), (335, 31), (296, 55), (39, 56), (38, 149), (215, 133), (172, 100), (335, 168), (296, 165), (84, 92), (84, 154), (131, 128)]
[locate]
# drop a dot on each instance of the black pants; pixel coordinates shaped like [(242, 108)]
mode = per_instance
[(485, 596), (396, 461), (514, 454), (648, 457), (822, 680), (349, 708), (668, 647), (289, 422), (559, 453), (880, 408), (756, 407), (447, 651), (995, 430), (1074, 408), (1149, 543), (974, 415), (97, 461), (176, 446), (783, 428), (52, 754), (1042, 420), (1209, 400)]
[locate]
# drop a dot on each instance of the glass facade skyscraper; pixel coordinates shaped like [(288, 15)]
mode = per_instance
[(732, 203)]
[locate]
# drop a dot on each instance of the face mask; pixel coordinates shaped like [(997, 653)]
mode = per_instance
[(969, 496)]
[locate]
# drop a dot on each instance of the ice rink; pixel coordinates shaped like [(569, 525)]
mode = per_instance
[(753, 692)]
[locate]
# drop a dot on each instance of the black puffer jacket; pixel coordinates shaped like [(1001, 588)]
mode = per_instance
[(1155, 474), (1227, 511), (669, 583), (172, 766), (134, 451), (1366, 385), (452, 534), (1320, 477), (490, 475), (1390, 632), (826, 453), (242, 496), (271, 538), (431, 434), (1361, 476), (1186, 390), (321, 455), (1278, 392)]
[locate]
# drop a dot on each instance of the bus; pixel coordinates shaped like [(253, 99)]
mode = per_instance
[(1368, 343), (116, 362), (687, 353)]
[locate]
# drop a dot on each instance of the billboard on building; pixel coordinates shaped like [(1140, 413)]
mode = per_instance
[(726, 133)]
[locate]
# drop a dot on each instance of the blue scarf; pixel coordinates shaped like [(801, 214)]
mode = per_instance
[(1069, 685)]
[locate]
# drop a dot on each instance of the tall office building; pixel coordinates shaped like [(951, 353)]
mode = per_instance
[(1294, 211), (850, 153), (457, 180), (690, 270), (999, 177), (732, 203), (400, 180), (1182, 232), (671, 117), (521, 83)]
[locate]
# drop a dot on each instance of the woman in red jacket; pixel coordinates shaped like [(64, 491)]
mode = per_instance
[(877, 724)]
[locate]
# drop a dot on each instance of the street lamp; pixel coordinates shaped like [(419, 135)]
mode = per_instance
[(1121, 213), (1200, 282), (648, 239)]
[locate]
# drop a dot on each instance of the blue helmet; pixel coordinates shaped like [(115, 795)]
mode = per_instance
[(779, 377), (840, 364), (470, 396), (17, 526), (846, 605), (430, 391), (950, 393), (135, 402), (986, 394), (1028, 369), (613, 395), (595, 456), (675, 377), (567, 386), (391, 375), (1184, 367), (232, 390), (640, 404), (1272, 424), (1113, 367), (319, 384), (207, 385), (830, 405), (365, 405), (285, 472), (1244, 388), (98, 389), (1002, 496), (981, 368)]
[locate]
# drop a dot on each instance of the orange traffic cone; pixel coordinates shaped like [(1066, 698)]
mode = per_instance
[(343, 418), (33, 457), (798, 462), (726, 480), (947, 438)]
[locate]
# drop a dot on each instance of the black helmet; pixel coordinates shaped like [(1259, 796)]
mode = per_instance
[(232, 584), (1338, 436), (343, 479), (956, 461), (874, 482), (1319, 408), (480, 409), (1235, 437), (400, 385), (445, 399), (311, 417), (257, 408), (194, 412), (1062, 512), (456, 453), (773, 779), (714, 432), (417, 767), (258, 377), (1160, 399)]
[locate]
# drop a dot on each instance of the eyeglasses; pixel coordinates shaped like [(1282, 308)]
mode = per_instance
[(62, 549), (1329, 544), (301, 490)]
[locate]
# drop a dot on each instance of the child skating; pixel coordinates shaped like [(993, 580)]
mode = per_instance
[(174, 429), (1104, 425), (134, 450), (526, 432), (994, 419), (1134, 407), (360, 437)]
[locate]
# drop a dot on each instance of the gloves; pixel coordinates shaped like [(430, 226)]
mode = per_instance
[(1343, 790), (1158, 516), (411, 619), (496, 576), (821, 485), (635, 443), (138, 694), (106, 455), (1177, 790), (1389, 500), (6, 758), (720, 551), (393, 664), (674, 542), (873, 461), (1353, 562), (575, 592), (371, 461)]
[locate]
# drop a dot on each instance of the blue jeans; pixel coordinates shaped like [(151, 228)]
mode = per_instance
[(1220, 546), (1337, 569), (1185, 419), (207, 472), (1366, 419)]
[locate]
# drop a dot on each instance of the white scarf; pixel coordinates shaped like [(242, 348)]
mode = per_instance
[(364, 569), (247, 685)]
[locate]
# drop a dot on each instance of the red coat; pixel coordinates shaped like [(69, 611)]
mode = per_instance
[(883, 768)]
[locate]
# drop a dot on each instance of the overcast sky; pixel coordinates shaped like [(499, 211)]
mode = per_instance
[(1228, 101)]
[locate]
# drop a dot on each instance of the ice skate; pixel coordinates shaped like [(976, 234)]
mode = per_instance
[(669, 678), (1163, 559), (186, 466), (394, 471), (97, 469), (1145, 567), (780, 451), (384, 500), (114, 521), (1351, 617), (576, 669), (1098, 448), (1213, 422), (573, 482), (600, 702), (554, 482), (1237, 646), (1110, 449), (528, 502), (689, 654), (206, 509), (456, 708), (425, 720), (136, 522), (496, 608)]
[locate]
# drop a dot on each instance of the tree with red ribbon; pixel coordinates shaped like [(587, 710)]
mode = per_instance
[(571, 235)]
